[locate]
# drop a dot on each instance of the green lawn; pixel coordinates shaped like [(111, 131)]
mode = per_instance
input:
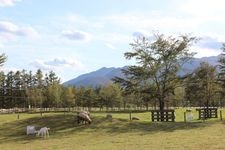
[(118, 134)]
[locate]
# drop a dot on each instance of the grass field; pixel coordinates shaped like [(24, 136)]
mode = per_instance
[(118, 134)]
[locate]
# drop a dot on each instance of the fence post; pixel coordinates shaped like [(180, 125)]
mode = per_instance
[(221, 117), (152, 116), (173, 115), (184, 116), (204, 116)]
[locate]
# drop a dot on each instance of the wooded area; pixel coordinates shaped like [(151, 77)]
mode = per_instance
[(153, 82)]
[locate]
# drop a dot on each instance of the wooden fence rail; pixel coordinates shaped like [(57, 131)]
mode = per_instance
[(163, 115), (204, 113)]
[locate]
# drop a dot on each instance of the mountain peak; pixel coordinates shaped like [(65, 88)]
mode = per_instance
[(99, 77)]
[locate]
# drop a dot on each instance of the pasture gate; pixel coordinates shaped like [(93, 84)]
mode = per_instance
[(163, 115), (204, 113)]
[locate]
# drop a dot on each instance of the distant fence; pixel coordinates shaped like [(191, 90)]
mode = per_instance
[(76, 108), (32, 110), (163, 115), (204, 113)]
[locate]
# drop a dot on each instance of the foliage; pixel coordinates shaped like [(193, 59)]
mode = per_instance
[(158, 61), (111, 95), (25, 89), (201, 87), (68, 96), (221, 76)]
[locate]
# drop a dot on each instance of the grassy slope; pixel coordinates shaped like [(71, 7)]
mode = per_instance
[(116, 134)]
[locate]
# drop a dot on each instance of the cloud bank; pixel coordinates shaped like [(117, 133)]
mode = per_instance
[(76, 35), (5, 3), (58, 64), (10, 30)]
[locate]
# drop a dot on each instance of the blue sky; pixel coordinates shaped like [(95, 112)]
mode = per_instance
[(72, 37)]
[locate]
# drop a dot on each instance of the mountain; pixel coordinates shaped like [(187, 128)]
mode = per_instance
[(99, 77), (195, 63), (104, 75)]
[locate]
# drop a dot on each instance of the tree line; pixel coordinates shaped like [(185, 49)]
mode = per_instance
[(152, 82), (24, 89)]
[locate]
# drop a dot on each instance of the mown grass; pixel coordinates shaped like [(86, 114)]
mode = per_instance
[(118, 133)]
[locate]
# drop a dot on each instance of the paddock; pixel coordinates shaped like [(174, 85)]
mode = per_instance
[(118, 133)]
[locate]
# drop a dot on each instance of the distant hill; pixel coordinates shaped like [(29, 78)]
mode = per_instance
[(99, 77), (104, 75)]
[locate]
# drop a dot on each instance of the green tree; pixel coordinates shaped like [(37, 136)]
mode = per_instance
[(9, 89), (221, 76), (53, 90), (19, 94), (201, 87), (53, 78), (68, 97), (2, 82), (54, 95), (158, 62), (84, 97), (39, 87), (2, 90), (30, 89), (111, 94)]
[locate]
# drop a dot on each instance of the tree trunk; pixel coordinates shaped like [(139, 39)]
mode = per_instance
[(146, 105), (161, 107), (124, 105)]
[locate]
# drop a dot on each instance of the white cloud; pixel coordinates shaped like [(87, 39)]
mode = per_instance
[(150, 21), (76, 35), (204, 52), (63, 62), (210, 42), (204, 11), (6, 26), (27, 31), (4, 3), (58, 64), (118, 28), (205, 8), (10, 30)]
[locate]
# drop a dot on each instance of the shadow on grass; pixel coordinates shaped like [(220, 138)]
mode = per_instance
[(66, 124), (16, 130)]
